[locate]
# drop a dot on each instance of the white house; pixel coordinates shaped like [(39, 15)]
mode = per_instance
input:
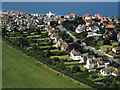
[(80, 28), (116, 49), (108, 71), (93, 28), (94, 62), (50, 14), (116, 73), (91, 63), (91, 34), (76, 55)]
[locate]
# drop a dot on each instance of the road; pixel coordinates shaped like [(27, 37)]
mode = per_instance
[(110, 58), (63, 29)]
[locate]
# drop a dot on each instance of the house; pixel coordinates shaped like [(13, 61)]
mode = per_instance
[(80, 28), (110, 27), (88, 18), (60, 21), (116, 73), (118, 37), (92, 62), (104, 20), (98, 16), (76, 55), (100, 62), (54, 35), (59, 42), (56, 39), (91, 34), (116, 49), (89, 22), (93, 28), (51, 32), (64, 47), (50, 14), (87, 15), (109, 71), (69, 16)]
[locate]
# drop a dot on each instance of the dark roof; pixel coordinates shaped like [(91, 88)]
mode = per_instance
[(109, 69)]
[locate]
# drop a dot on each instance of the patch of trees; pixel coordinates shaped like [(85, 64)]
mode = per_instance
[(90, 41), (106, 42), (66, 37), (71, 25)]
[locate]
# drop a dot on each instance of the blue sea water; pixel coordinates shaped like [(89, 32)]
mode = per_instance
[(61, 8)]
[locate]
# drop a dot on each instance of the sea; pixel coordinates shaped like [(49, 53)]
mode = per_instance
[(60, 8)]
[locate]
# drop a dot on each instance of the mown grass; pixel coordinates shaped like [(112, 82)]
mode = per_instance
[(20, 71), (62, 57)]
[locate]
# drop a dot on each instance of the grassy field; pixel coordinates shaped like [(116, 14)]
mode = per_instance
[(20, 71), (62, 57)]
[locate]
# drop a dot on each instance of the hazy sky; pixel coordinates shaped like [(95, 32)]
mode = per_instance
[(59, 0)]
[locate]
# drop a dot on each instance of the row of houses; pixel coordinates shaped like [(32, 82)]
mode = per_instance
[(58, 41), (92, 62)]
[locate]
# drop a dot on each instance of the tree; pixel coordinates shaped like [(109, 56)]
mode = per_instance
[(53, 23), (59, 48), (106, 41), (75, 69), (91, 53), (114, 84)]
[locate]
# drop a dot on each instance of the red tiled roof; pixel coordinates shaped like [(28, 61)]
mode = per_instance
[(110, 26), (75, 52)]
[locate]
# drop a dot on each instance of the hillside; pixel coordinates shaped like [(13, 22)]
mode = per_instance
[(20, 71)]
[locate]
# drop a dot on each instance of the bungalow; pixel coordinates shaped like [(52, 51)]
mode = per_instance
[(76, 55), (108, 71), (93, 28), (116, 49), (64, 47), (71, 15), (80, 28), (118, 37)]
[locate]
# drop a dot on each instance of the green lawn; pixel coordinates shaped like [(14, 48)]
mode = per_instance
[(62, 57), (104, 47), (47, 46), (20, 71)]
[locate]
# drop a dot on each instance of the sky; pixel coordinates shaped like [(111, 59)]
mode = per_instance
[(59, 0)]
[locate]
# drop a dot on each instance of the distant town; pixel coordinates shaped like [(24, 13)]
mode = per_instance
[(86, 48)]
